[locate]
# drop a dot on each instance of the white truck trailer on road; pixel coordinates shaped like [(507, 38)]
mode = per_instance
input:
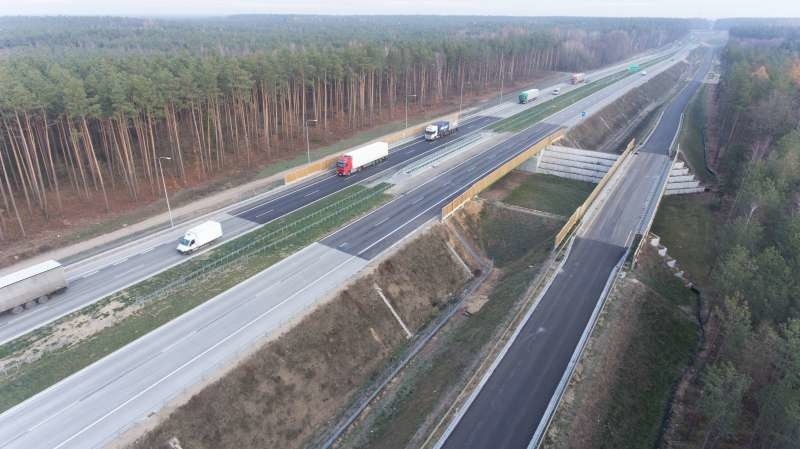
[(24, 288), (354, 160), (199, 235)]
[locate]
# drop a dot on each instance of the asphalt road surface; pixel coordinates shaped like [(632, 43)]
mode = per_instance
[(507, 410), (98, 403)]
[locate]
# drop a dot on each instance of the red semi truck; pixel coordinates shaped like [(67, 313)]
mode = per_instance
[(355, 160)]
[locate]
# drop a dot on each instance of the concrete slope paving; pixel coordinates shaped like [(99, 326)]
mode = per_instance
[(506, 411)]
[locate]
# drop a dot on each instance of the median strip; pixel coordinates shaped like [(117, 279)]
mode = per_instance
[(524, 119), (41, 358)]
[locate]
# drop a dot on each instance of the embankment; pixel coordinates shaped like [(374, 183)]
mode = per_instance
[(294, 386), (611, 128)]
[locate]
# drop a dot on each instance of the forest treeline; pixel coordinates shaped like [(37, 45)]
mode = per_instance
[(751, 387), (89, 105)]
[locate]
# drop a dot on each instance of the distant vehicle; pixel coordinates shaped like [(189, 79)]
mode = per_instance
[(578, 78), (36, 284), (644, 72), (556, 91), (437, 130), (355, 160), (198, 236), (633, 68), (528, 95)]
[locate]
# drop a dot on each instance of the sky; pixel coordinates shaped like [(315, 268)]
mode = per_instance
[(615, 8)]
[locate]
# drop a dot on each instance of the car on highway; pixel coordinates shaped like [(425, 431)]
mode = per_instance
[(556, 91)]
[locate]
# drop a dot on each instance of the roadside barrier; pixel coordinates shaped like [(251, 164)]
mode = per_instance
[(577, 216), (499, 172), (327, 162)]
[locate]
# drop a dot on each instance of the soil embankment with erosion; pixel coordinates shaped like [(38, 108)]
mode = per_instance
[(289, 389)]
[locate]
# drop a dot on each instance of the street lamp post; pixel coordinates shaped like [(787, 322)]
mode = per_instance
[(461, 99), (407, 97), (308, 146), (164, 183)]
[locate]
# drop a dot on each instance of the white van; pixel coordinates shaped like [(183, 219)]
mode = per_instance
[(198, 236)]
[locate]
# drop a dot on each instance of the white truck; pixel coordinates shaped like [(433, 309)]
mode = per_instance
[(36, 284), (528, 95), (198, 236), (355, 160), (577, 78), (437, 130)]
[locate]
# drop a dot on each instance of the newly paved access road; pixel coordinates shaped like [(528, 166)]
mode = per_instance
[(98, 403), (506, 411)]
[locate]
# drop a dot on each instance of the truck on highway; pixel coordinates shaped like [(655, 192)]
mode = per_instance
[(528, 95), (198, 236), (437, 130), (355, 160), (578, 78), (36, 284)]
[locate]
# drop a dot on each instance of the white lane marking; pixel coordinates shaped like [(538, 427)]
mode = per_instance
[(118, 275), (202, 354), (311, 193), (148, 250), (264, 213), (291, 191), (119, 262), (380, 222), (89, 274)]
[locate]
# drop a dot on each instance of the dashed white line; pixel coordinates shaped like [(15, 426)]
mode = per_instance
[(148, 250), (264, 213), (89, 274), (311, 193), (119, 262)]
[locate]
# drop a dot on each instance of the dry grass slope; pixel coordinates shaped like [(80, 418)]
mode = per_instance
[(295, 385)]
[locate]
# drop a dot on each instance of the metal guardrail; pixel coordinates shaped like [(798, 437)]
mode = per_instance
[(266, 242)]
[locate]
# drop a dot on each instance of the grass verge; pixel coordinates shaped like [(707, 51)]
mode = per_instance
[(692, 139), (550, 194), (400, 419), (644, 339), (23, 380), (664, 342), (688, 226)]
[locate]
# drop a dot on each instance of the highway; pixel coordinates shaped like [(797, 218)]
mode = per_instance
[(100, 402), (506, 411), (101, 275), (92, 280)]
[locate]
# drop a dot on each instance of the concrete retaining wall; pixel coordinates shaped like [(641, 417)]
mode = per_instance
[(571, 163)]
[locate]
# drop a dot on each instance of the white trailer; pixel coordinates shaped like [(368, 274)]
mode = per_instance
[(26, 287), (528, 95), (199, 235), (578, 78), (355, 160)]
